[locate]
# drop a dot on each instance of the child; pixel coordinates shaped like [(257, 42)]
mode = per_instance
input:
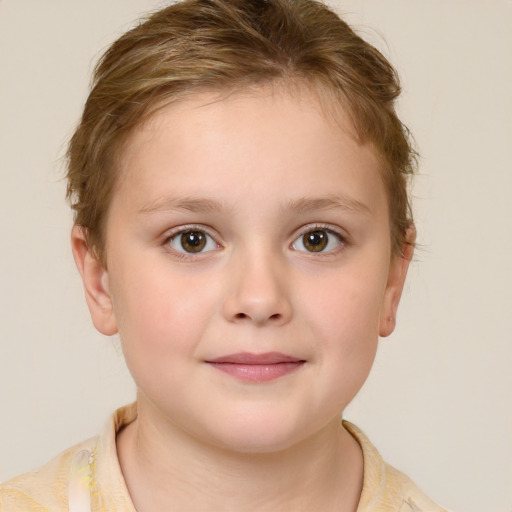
[(241, 220)]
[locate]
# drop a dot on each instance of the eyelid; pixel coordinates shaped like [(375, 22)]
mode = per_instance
[(334, 230), (178, 230), (171, 233), (320, 226)]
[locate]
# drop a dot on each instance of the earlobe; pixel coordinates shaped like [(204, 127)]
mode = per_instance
[(96, 283), (395, 285)]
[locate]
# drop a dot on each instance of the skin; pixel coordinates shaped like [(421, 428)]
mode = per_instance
[(254, 172)]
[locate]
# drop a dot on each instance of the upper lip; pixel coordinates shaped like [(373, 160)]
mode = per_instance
[(250, 358)]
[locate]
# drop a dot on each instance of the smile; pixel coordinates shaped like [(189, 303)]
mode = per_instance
[(256, 367)]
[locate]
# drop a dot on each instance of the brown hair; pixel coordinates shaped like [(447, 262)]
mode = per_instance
[(227, 45)]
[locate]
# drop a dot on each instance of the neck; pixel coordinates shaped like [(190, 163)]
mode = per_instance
[(166, 468)]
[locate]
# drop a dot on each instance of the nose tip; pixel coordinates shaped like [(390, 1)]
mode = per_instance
[(258, 295)]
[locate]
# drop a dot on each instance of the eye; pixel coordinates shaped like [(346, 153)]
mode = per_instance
[(318, 240), (193, 241)]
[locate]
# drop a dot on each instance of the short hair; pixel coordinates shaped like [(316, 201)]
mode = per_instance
[(227, 45)]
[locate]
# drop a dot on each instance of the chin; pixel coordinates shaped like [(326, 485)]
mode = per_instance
[(260, 434)]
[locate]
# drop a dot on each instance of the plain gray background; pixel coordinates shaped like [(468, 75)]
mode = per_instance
[(438, 404)]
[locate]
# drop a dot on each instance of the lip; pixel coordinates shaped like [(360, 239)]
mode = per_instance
[(251, 367)]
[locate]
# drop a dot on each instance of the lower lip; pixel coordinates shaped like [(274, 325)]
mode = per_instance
[(258, 372)]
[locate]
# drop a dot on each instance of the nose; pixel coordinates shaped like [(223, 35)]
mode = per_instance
[(258, 292)]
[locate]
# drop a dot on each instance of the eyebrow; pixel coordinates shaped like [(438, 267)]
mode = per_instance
[(191, 204), (298, 206), (308, 204)]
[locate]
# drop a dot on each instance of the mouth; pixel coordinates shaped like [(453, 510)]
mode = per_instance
[(250, 367)]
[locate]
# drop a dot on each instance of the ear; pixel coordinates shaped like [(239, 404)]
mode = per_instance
[(395, 285), (96, 285)]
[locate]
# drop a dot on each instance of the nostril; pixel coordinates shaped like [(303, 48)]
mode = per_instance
[(240, 316)]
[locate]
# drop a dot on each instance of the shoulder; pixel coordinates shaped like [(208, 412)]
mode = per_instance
[(79, 470), (45, 489), (412, 498), (385, 489)]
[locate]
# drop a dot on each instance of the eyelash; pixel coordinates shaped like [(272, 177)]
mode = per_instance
[(180, 231), (203, 229), (330, 231)]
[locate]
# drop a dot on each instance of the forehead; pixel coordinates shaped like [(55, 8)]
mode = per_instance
[(274, 141)]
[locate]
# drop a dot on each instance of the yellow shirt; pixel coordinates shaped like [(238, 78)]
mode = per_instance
[(88, 478)]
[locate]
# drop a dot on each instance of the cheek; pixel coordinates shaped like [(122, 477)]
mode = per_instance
[(348, 352), (350, 334), (160, 314), (345, 313), (348, 306)]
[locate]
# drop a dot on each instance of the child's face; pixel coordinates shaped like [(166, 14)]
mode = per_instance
[(287, 256)]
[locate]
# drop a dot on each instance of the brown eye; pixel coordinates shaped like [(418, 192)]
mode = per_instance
[(315, 241), (193, 241), (318, 240)]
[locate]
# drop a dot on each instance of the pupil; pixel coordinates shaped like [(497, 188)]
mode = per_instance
[(315, 241), (193, 241)]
